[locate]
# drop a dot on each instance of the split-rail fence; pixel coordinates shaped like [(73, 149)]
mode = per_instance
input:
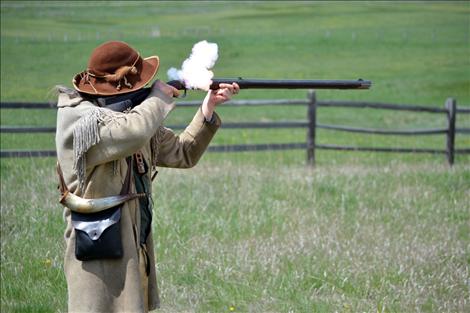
[(449, 110)]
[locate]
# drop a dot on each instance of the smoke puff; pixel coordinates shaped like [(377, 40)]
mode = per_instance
[(206, 53), (174, 74), (195, 71)]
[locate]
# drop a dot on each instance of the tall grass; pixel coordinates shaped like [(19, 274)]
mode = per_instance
[(267, 238)]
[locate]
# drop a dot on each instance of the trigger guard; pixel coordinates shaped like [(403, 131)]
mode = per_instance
[(184, 94)]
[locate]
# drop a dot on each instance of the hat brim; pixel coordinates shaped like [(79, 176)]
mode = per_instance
[(147, 68)]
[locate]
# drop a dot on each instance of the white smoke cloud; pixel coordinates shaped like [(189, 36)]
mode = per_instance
[(196, 70)]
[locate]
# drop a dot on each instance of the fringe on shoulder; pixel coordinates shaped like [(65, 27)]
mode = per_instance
[(85, 135)]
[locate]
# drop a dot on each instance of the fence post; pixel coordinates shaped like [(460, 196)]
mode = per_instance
[(451, 106), (312, 124)]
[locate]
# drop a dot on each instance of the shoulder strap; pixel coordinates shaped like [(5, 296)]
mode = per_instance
[(62, 185)]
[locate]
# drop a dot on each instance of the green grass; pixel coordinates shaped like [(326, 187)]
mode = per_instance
[(415, 53), (260, 232), (267, 238)]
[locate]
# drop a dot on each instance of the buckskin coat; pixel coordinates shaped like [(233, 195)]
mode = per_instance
[(121, 285)]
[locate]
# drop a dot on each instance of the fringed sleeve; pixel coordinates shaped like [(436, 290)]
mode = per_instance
[(86, 134)]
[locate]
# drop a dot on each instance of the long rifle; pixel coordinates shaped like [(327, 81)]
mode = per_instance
[(282, 84), (122, 102)]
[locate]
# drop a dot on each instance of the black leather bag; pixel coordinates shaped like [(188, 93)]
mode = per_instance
[(98, 235)]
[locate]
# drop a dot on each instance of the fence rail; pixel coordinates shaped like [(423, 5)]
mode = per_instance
[(407, 132), (450, 110), (270, 102)]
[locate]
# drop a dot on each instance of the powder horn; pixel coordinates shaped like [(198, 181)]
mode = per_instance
[(81, 205)]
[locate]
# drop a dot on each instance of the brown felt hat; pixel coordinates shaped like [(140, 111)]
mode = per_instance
[(115, 68)]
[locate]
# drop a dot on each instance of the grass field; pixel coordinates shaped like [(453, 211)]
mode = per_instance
[(390, 237), (414, 53), (260, 232)]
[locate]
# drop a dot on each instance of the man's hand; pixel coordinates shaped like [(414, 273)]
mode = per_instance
[(216, 97), (168, 90)]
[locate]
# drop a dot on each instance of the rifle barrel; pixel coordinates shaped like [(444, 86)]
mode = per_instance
[(283, 84), (293, 84)]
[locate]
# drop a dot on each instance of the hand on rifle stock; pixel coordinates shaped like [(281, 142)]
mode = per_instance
[(218, 96), (168, 90)]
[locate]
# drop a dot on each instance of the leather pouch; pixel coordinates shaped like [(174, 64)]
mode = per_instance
[(98, 235)]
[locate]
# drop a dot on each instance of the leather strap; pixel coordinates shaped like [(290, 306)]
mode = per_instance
[(62, 185)]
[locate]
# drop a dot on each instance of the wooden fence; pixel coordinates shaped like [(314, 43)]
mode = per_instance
[(450, 110)]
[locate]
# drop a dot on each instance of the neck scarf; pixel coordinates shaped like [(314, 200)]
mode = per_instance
[(125, 102)]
